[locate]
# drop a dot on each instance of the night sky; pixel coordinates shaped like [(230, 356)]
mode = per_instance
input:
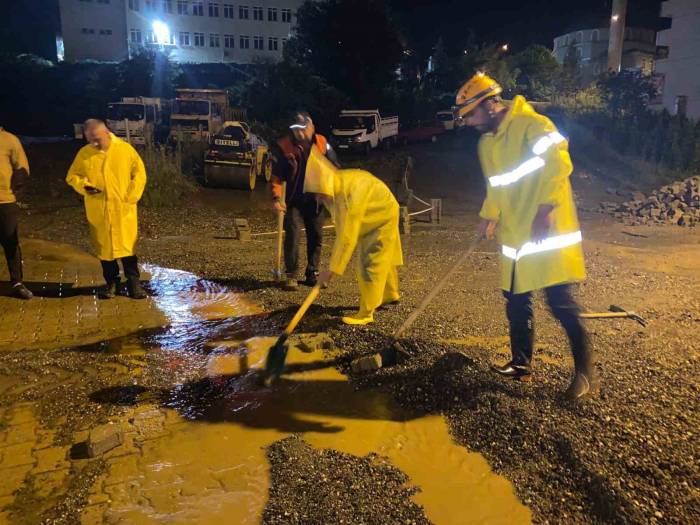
[(30, 26)]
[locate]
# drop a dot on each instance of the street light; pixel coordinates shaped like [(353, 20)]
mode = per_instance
[(504, 47), (615, 18), (162, 32)]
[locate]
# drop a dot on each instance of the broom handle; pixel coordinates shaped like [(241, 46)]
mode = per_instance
[(313, 294), (436, 289), (280, 228)]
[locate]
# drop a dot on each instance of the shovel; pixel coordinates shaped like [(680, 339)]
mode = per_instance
[(277, 355), (277, 271), (396, 349)]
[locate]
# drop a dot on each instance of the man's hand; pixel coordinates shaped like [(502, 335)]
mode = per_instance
[(324, 278), (487, 229), (542, 223), (279, 206), (91, 190)]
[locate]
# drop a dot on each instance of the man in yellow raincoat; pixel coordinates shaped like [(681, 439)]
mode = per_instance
[(110, 175), (528, 197), (366, 217)]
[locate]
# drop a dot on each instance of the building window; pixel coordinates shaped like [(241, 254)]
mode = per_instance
[(214, 40), (87, 31), (272, 14), (272, 43), (579, 36), (149, 5), (135, 36), (167, 6), (287, 15), (182, 7), (681, 105), (228, 41), (184, 38), (284, 43), (151, 37), (257, 13), (243, 12), (595, 35), (198, 8), (102, 1), (258, 42), (105, 32), (228, 10), (199, 39), (213, 10), (244, 42), (134, 5)]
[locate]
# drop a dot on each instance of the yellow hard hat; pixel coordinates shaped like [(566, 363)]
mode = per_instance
[(474, 90)]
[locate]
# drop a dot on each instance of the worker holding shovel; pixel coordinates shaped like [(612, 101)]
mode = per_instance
[(366, 217), (528, 196)]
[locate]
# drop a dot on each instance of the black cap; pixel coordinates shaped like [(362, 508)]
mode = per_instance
[(299, 120)]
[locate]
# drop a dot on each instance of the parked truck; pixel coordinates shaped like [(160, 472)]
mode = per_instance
[(364, 130), (199, 114), (138, 120)]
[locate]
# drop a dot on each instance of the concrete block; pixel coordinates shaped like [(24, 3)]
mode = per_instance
[(366, 364), (242, 229), (103, 439)]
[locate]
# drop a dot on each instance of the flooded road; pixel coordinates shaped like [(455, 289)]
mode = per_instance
[(183, 386)]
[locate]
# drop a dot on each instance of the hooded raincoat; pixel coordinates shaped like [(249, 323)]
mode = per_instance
[(120, 176), (366, 217), (526, 163)]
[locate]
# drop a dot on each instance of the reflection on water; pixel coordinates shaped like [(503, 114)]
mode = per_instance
[(210, 465)]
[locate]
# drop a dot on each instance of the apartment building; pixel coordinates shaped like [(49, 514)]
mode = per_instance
[(192, 31)]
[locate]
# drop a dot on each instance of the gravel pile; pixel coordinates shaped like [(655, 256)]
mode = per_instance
[(677, 203), (311, 486)]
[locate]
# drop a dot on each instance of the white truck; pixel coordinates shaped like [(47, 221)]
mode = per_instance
[(138, 120), (199, 114), (448, 120), (363, 130)]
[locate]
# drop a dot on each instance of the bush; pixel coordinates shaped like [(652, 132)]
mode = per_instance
[(167, 182)]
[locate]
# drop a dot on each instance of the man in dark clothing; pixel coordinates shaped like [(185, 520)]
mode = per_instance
[(289, 166)]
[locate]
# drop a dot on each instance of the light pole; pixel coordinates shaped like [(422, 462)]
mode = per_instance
[(616, 40)]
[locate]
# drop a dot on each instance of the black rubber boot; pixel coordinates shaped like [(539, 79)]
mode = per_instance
[(135, 289), (513, 371), (21, 292), (109, 291)]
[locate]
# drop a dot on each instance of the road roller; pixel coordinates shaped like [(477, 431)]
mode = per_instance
[(236, 158)]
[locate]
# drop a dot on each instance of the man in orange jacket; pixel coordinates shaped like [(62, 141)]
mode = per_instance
[(290, 155)]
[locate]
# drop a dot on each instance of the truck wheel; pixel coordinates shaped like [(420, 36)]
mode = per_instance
[(267, 169)]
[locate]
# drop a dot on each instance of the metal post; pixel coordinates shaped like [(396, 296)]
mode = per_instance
[(616, 40), (436, 210)]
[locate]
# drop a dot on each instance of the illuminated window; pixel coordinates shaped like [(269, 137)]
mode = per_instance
[(135, 36), (150, 37), (182, 7), (228, 10), (213, 10), (199, 39), (214, 40), (184, 39), (229, 41), (244, 42), (243, 13), (272, 44), (272, 14), (287, 15), (257, 13), (198, 8)]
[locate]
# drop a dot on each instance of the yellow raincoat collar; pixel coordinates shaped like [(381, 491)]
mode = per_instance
[(518, 107), (321, 175)]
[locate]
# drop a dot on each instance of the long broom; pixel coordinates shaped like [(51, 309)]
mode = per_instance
[(276, 357)]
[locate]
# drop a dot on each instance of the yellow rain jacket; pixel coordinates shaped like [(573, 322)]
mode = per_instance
[(526, 163), (121, 176), (366, 217)]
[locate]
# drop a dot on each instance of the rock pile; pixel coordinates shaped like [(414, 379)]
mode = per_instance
[(677, 203)]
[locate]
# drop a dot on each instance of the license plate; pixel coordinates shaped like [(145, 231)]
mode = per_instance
[(222, 142)]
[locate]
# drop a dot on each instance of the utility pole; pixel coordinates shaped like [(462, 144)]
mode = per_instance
[(617, 35)]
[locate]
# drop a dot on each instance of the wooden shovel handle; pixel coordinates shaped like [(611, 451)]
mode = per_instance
[(313, 294), (280, 231)]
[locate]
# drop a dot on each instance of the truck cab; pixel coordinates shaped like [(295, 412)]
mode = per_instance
[(199, 114), (363, 130), (135, 119)]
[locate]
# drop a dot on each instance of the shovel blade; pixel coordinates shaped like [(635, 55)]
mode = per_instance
[(276, 357)]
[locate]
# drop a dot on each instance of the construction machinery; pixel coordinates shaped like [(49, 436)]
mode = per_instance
[(138, 120), (236, 157), (198, 114)]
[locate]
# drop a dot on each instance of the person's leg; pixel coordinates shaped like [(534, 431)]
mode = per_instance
[(391, 288), (110, 272), (9, 238), (133, 282), (522, 335), (292, 227), (372, 267), (566, 311), (314, 219)]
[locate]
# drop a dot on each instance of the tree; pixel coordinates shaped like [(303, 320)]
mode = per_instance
[(351, 44), (537, 73)]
